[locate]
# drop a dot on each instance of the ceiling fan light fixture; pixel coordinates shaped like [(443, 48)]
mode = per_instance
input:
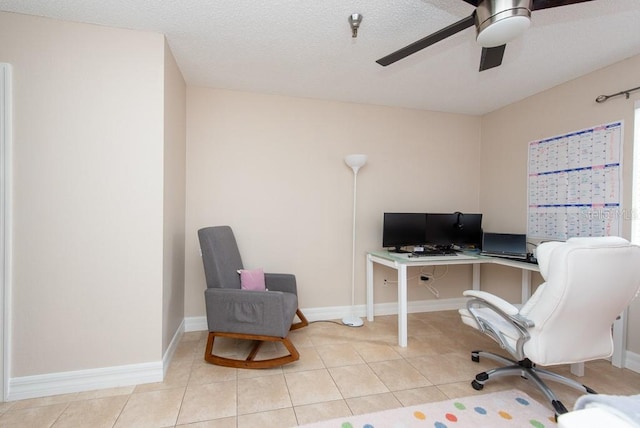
[(500, 21)]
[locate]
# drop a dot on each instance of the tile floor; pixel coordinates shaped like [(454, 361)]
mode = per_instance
[(341, 371)]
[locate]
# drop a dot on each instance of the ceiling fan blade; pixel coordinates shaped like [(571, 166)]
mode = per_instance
[(472, 2), (491, 57), (546, 4), (428, 41)]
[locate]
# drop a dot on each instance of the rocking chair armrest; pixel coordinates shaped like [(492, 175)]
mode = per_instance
[(285, 282)]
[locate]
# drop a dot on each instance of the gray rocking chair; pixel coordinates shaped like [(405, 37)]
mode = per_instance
[(261, 316)]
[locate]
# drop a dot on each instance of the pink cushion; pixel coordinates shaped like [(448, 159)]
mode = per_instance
[(252, 279)]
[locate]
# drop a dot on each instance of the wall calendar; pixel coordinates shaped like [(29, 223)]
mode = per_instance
[(575, 184)]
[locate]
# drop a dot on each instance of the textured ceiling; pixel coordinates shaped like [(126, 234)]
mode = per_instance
[(304, 48)]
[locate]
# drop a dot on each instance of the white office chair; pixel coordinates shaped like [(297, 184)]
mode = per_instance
[(588, 283)]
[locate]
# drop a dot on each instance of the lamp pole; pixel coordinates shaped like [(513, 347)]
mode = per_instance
[(355, 162)]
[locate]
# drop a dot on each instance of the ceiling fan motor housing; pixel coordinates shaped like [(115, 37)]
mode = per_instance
[(500, 21)]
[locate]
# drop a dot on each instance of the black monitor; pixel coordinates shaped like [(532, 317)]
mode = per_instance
[(468, 230), (402, 230), (439, 230), (463, 230)]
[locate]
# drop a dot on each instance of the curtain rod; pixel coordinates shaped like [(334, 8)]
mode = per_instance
[(603, 98)]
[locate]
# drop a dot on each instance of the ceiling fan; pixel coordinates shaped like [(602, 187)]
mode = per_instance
[(497, 22)]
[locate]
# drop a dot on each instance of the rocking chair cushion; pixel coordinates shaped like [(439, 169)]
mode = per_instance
[(252, 279), (264, 313)]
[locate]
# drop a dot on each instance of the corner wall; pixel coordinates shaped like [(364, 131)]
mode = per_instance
[(565, 108), (88, 198), (174, 201)]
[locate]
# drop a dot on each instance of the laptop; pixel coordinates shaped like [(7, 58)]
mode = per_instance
[(508, 245)]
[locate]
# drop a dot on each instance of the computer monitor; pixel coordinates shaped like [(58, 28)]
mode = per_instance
[(402, 230), (463, 230), (468, 230), (439, 229)]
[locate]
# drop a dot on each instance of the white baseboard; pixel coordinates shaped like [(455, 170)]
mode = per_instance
[(88, 380), (83, 380), (631, 361), (195, 324), (171, 349)]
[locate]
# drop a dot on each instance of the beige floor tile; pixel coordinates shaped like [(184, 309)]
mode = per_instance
[(34, 417), (373, 403), (262, 394), (339, 355), (464, 389), (311, 413), (412, 397), (419, 346), (272, 419), (357, 381), (373, 351), (151, 409), (309, 360), (187, 350), (367, 372), (44, 401), (253, 373), (209, 401), (301, 337), (448, 368), (5, 407), (203, 373), (215, 423), (94, 413), (177, 376), (108, 392), (398, 375), (313, 386)]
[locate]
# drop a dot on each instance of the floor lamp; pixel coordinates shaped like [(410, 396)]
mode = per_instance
[(355, 162)]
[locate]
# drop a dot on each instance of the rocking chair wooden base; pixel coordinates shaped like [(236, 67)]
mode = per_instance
[(303, 321), (250, 362)]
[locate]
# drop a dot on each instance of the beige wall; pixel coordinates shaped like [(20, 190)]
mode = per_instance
[(88, 197), (566, 108), (174, 198), (272, 167)]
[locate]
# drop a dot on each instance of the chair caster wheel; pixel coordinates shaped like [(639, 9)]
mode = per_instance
[(477, 385)]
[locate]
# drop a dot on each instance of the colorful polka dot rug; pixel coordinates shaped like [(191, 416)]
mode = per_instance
[(512, 408)]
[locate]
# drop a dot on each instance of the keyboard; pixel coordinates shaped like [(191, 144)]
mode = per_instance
[(434, 253)]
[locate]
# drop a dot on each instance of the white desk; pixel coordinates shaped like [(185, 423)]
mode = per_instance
[(401, 262)]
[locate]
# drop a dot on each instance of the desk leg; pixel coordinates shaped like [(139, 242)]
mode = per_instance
[(619, 336), (526, 285), (369, 289), (402, 305), (577, 369), (475, 282)]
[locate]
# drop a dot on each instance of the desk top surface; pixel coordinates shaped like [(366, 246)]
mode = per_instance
[(459, 258)]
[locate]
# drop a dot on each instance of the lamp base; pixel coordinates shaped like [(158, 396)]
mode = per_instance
[(352, 321)]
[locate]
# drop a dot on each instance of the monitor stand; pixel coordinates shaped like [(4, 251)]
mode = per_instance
[(399, 250)]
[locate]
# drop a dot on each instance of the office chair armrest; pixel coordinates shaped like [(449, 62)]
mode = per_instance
[(285, 282), (485, 307), (494, 300)]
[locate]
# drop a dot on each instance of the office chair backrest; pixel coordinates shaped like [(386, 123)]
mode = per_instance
[(589, 282), (220, 256)]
